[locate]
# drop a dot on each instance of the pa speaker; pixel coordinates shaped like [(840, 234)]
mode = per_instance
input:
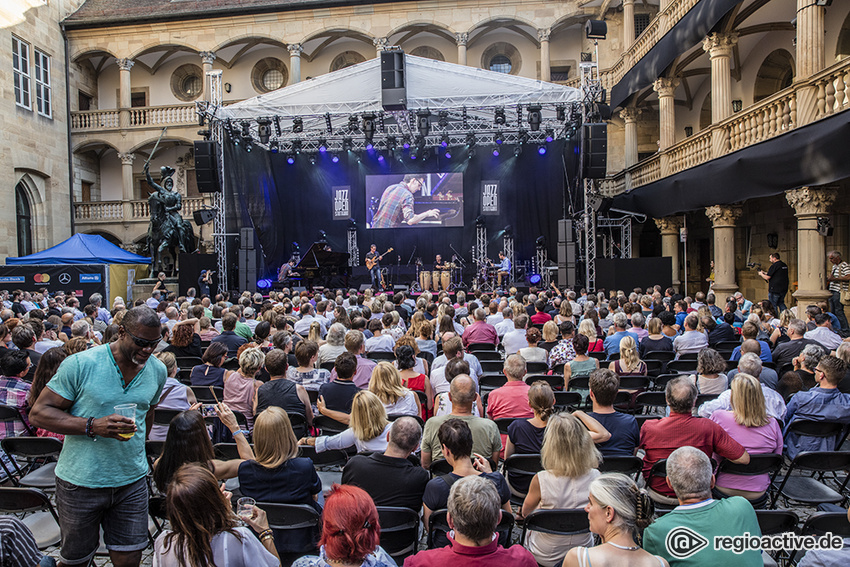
[(595, 29), (246, 238), (594, 150), (203, 216), (600, 205), (393, 83), (206, 166)]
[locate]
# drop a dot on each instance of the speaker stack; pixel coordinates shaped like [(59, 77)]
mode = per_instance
[(566, 254), (206, 166), (393, 83), (247, 260), (594, 150)]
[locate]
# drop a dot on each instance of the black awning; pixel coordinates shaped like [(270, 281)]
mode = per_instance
[(815, 154), (688, 32)]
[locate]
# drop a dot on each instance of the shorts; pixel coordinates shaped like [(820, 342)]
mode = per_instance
[(122, 512)]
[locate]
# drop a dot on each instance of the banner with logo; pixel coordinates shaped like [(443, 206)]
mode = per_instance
[(489, 197), (342, 202), (80, 279)]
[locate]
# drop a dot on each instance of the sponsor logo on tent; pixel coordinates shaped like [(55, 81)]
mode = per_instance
[(13, 279), (64, 278), (41, 278), (89, 278)]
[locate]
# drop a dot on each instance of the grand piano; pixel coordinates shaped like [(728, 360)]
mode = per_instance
[(322, 267)]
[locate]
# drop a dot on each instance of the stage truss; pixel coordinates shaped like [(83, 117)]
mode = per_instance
[(219, 223), (624, 225)]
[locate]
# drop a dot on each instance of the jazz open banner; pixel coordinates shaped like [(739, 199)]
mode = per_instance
[(80, 279), (489, 197), (342, 202)]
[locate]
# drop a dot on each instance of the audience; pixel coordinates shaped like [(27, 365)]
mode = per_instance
[(691, 341), (625, 432), (749, 364), (355, 344), (240, 387), (621, 323), (174, 396), (280, 392), (711, 372), (629, 363), (582, 365), (306, 373), (386, 384), (367, 431), (211, 373)]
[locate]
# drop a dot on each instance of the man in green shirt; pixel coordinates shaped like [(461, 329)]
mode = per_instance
[(699, 531), (100, 476)]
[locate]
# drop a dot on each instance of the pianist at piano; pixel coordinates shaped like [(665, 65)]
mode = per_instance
[(396, 205)]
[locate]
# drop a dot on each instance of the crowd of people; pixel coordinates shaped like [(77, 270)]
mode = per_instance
[(401, 382)]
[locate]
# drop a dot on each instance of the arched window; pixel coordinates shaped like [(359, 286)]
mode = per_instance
[(429, 52), (24, 221), (776, 73), (501, 57), (842, 50), (346, 59)]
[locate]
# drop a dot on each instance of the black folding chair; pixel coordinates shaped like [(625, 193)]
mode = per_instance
[(688, 356), (184, 376), (440, 467), (556, 381), (597, 355), (768, 463), (504, 422), (492, 366), (556, 522), (299, 424), (820, 523), (39, 455), (654, 401), (519, 470), (286, 517), (627, 464), (582, 383), (491, 381), (808, 490), (478, 347), (11, 413), (634, 383), (662, 355), (327, 365), (205, 396), (482, 355), (660, 381), (380, 355), (399, 531), (654, 367), (328, 426), (40, 517), (226, 451), (188, 362), (682, 366), (438, 527), (331, 458), (566, 400), (727, 345), (537, 367), (426, 356), (773, 522), (641, 419)]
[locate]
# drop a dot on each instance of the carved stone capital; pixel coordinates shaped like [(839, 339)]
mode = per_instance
[(207, 57), (543, 34), (669, 225), (811, 200), (628, 2), (665, 86), (630, 114), (126, 159), (380, 43), (125, 64), (462, 38), (295, 49), (720, 44), (723, 215)]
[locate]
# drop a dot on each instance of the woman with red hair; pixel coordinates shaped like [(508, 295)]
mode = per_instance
[(350, 532)]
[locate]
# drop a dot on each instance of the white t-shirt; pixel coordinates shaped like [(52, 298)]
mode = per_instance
[(405, 405), (227, 550)]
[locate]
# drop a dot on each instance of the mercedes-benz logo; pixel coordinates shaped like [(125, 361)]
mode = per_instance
[(64, 278)]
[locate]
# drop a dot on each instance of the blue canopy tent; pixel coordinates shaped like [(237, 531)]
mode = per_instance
[(85, 263)]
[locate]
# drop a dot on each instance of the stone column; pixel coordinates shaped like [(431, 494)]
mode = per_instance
[(810, 39), (295, 50), (462, 39), (124, 90), (809, 203), (719, 48), (127, 183), (380, 44), (545, 65), (666, 88), (628, 24), (723, 219), (629, 115), (669, 227), (208, 58)]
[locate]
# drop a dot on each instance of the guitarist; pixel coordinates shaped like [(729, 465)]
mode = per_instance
[(373, 262)]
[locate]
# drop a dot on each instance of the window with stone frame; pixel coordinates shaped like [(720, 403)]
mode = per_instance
[(21, 67), (43, 98)]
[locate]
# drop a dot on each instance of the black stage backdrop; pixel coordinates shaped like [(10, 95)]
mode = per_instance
[(288, 203)]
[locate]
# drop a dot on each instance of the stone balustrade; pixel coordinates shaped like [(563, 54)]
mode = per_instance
[(766, 119), (94, 120), (139, 210), (140, 117)]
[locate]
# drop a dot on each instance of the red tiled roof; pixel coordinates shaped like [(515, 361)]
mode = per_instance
[(95, 13)]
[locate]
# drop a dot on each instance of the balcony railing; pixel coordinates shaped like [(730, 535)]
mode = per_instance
[(121, 211), (139, 117), (824, 94)]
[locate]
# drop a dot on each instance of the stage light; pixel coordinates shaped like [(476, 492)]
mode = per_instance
[(470, 153), (249, 145), (423, 122), (541, 149), (534, 279), (264, 283), (352, 123), (391, 143), (496, 152), (312, 160), (347, 144), (369, 127), (369, 146), (381, 158), (246, 129), (540, 242), (595, 29), (264, 130), (522, 136), (328, 123), (352, 224), (509, 230), (335, 159), (535, 117), (561, 112), (426, 153), (479, 221), (448, 154), (518, 150), (414, 153), (550, 134), (444, 119), (323, 145), (297, 125), (499, 117), (296, 146), (274, 146), (405, 141), (291, 159), (498, 138), (444, 140), (276, 120), (470, 139)]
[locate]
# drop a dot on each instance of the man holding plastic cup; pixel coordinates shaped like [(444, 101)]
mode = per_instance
[(96, 399)]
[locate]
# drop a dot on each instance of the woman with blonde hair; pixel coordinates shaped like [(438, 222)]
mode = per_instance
[(618, 512), (425, 337), (565, 313), (241, 386), (276, 474), (629, 363), (315, 333), (711, 372), (588, 329), (550, 336), (656, 340), (570, 461), (367, 431), (387, 385), (749, 424)]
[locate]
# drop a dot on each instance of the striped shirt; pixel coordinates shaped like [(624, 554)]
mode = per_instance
[(17, 544), (839, 271)]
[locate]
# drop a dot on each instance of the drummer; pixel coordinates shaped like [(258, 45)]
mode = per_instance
[(439, 265)]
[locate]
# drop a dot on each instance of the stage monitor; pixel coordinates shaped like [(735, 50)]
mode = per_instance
[(413, 200)]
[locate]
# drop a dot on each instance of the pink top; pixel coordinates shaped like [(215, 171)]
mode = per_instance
[(756, 440), (239, 395), (510, 400)]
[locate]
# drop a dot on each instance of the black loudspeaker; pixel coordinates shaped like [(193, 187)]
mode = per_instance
[(203, 216), (567, 275), (594, 150), (206, 166), (601, 205), (595, 29), (247, 270), (246, 238), (393, 83)]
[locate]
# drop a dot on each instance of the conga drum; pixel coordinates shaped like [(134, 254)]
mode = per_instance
[(425, 280), (435, 278), (446, 280)]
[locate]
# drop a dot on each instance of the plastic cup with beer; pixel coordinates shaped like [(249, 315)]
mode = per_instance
[(127, 410)]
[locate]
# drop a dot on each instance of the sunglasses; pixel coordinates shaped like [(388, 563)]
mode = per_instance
[(142, 343)]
